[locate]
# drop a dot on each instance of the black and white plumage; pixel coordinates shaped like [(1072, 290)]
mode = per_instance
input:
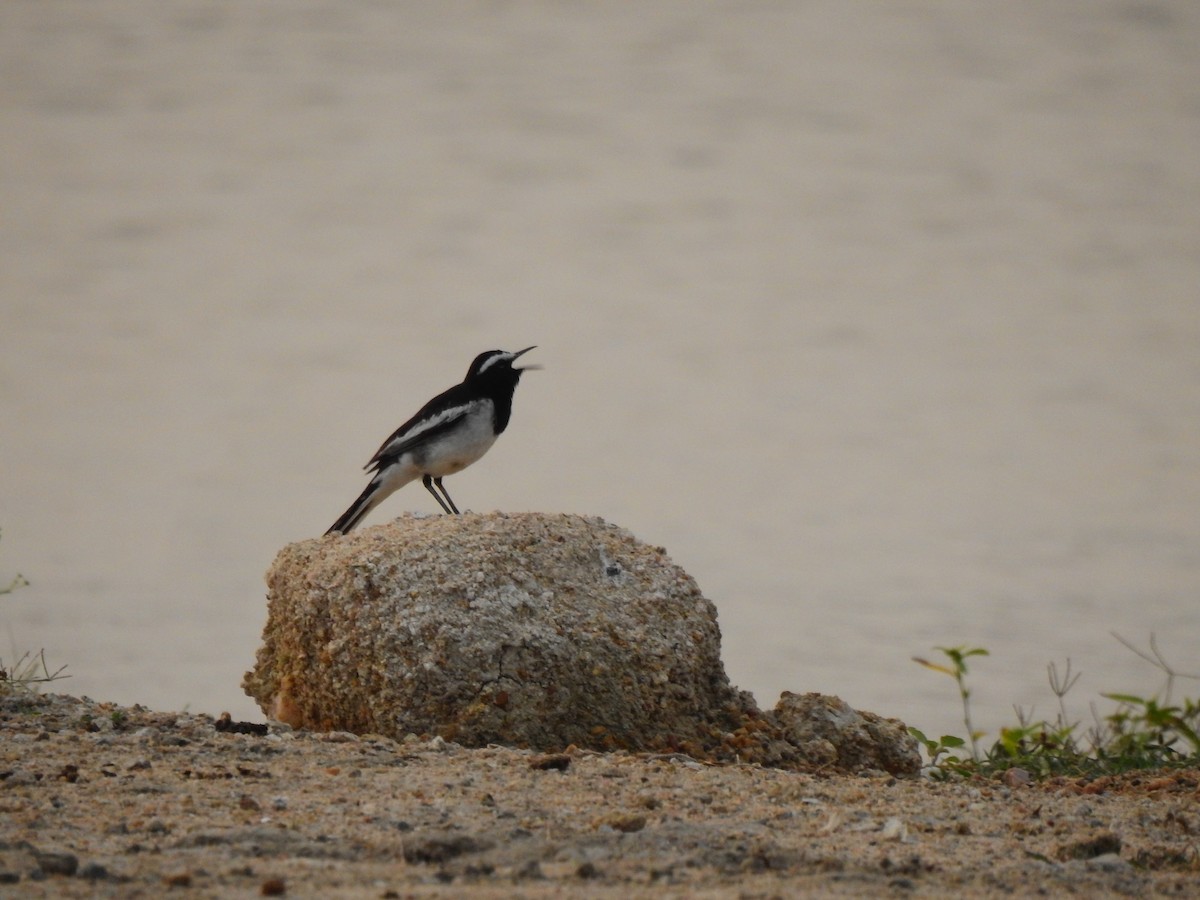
[(450, 432)]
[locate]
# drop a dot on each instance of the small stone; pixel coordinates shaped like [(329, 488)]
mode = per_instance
[(559, 761), (530, 869), (1017, 777), (273, 887), (1098, 845), (178, 880), (56, 863), (93, 872), (587, 871), (894, 829), (627, 823), (1108, 862), (338, 737), (438, 848)]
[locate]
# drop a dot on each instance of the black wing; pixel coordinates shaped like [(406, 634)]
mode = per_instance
[(434, 419)]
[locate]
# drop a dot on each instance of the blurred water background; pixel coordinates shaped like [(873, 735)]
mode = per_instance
[(882, 318)]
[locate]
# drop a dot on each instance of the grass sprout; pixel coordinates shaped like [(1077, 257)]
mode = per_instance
[(957, 670), (28, 673), (30, 670), (18, 580), (1139, 733)]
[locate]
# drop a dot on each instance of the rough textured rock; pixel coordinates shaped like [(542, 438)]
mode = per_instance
[(827, 730), (533, 630)]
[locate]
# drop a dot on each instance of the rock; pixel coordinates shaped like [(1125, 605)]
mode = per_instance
[(824, 730), (1017, 777), (56, 862), (894, 829), (1102, 844), (622, 821), (1109, 862), (93, 871), (532, 630), (438, 848), (539, 631)]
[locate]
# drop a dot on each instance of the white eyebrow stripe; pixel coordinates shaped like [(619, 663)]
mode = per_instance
[(495, 358)]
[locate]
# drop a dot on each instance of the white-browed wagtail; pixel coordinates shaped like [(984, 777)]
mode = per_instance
[(450, 432)]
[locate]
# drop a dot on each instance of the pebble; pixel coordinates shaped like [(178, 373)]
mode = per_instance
[(1108, 862), (53, 862), (338, 737), (1017, 777), (894, 829), (93, 872)]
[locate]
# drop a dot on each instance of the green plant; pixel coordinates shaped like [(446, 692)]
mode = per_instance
[(957, 670), (1143, 727), (1141, 733), (940, 751)]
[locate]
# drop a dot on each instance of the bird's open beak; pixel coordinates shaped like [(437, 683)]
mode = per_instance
[(522, 352)]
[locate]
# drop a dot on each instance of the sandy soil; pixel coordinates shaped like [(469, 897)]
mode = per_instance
[(102, 800)]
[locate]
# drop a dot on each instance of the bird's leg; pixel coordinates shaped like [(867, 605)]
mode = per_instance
[(428, 482), (438, 482)]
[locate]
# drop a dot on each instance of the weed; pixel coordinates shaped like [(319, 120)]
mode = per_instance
[(1141, 733), (29, 670), (958, 671), (17, 581)]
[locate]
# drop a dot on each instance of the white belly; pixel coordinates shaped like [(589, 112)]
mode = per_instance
[(456, 451)]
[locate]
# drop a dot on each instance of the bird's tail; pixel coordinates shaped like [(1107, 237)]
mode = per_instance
[(371, 497)]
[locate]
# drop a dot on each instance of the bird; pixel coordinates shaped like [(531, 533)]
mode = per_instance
[(447, 434)]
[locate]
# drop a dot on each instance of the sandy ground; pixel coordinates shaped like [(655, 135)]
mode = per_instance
[(99, 800)]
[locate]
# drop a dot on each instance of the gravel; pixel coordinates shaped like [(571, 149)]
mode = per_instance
[(98, 800)]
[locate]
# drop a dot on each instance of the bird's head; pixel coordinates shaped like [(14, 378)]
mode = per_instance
[(498, 363)]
